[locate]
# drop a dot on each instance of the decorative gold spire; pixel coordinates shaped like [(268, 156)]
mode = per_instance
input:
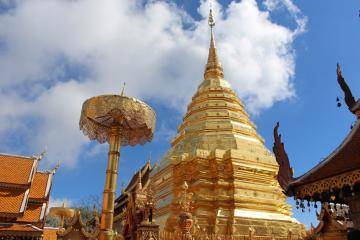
[(213, 67)]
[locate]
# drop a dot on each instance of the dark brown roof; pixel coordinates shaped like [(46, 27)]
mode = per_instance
[(145, 171), (344, 159), (16, 170), (145, 177)]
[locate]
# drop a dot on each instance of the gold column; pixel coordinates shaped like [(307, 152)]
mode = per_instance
[(107, 214)]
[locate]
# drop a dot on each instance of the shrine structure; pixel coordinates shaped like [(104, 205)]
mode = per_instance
[(334, 180), (219, 153), (24, 197), (130, 206), (333, 223)]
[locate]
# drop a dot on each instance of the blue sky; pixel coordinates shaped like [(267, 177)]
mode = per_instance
[(41, 96)]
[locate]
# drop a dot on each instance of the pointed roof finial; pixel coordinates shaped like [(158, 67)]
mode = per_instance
[(122, 187), (53, 171), (149, 159), (95, 211), (213, 67), (140, 183), (350, 101), (123, 89), (42, 154)]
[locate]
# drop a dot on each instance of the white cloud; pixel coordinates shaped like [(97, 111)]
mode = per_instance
[(55, 54)]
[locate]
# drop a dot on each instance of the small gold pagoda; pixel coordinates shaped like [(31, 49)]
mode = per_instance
[(223, 159)]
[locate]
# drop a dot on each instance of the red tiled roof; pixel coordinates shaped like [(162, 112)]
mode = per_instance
[(16, 169), (12, 200), (23, 194), (39, 188), (19, 230), (32, 214), (19, 227)]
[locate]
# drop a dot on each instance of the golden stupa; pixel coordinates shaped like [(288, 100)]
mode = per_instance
[(223, 159)]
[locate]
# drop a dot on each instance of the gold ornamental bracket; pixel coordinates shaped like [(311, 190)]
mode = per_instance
[(134, 118)]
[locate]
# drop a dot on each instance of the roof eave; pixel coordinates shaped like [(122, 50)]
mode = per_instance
[(348, 138)]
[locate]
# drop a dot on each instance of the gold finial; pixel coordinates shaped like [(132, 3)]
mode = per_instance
[(123, 89), (211, 20), (213, 67)]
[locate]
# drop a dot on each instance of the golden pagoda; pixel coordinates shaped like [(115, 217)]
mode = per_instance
[(218, 152)]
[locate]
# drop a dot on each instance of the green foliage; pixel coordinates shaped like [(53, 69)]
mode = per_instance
[(52, 221)]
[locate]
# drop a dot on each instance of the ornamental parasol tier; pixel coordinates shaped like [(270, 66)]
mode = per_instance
[(136, 120), (120, 121)]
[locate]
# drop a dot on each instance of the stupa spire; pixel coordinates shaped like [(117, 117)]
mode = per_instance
[(213, 67)]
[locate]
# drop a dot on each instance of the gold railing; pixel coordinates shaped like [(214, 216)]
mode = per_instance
[(177, 236)]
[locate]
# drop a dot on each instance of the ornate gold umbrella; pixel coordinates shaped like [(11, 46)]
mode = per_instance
[(118, 120), (62, 212)]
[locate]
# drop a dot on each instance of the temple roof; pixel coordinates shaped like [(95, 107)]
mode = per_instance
[(145, 170), (344, 159), (24, 195), (16, 170), (34, 213), (134, 182), (13, 201), (41, 185), (11, 228)]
